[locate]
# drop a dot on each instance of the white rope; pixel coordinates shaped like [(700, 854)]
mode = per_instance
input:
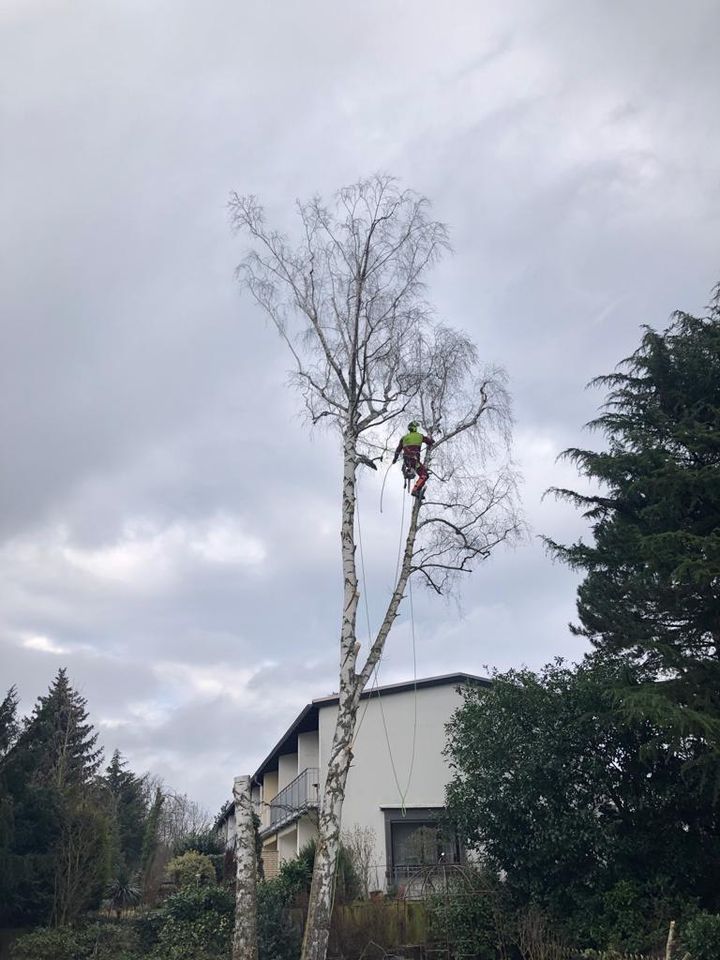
[(376, 670), (382, 488)]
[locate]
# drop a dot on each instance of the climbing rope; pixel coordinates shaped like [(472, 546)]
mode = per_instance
[(382, 488), (376, 670)]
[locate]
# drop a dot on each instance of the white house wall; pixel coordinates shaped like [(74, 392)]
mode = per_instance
[(371, 784), (269, 790), (308, 750), (287, 769), (306, 831), (287, 843)]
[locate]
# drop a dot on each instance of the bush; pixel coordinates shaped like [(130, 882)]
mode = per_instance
[(278, 938), (465, 919), (296, 874), (197, 925), (97, 941), (701, 937), (191, 869), (146, 929), (207, 842), (630, 916)]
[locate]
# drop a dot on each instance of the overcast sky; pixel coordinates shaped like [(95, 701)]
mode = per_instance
[(156, 536)]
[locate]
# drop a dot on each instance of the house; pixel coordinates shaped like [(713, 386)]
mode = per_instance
[(395, 788)]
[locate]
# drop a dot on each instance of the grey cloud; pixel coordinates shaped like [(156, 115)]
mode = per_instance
[(570, 148)]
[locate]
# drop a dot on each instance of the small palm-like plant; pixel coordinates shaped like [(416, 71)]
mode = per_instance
[(122, 892)]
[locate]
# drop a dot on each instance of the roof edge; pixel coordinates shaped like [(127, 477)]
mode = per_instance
[(443, 680)]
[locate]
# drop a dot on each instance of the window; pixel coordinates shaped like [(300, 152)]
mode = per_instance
[(415, 841)]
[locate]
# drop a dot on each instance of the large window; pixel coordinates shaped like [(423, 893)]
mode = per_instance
[(415, 840)]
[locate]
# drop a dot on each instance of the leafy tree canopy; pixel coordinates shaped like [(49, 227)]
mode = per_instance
[(577, 806), (651, 591)]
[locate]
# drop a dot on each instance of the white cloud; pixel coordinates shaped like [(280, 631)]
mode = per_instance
[(146, 556), (44, 645), (225, 541)]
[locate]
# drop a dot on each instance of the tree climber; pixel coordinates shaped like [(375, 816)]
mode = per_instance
[(410, 446)]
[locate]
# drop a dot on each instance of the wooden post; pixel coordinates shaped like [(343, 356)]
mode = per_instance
[(245, 945)]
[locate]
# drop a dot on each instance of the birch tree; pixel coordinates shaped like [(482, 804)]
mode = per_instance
[(348, 300)]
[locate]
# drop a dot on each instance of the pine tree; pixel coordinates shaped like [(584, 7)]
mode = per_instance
[(59, 835), (8, 721), (151, 843), (129, 813), (651, 591), (61, 739), (8, 734)]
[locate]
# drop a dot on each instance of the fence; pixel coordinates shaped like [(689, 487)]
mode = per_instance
[(379, 930)]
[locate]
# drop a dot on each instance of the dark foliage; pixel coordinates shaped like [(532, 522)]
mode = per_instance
[(96, 941), (129, 812), (651, 591), (67, 834), (55, 822), (578, 807), (701, 937)]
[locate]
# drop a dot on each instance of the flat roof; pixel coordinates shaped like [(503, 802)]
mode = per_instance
[(444, 680), (307, 719)]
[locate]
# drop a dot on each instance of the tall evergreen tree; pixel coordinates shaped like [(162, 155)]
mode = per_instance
[(651, 591), (58, 842), (151, 843), (60, 738), (8, 721), (8, 734), (129, 813)]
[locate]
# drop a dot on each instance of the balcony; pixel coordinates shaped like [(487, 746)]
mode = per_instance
[(299, 796)]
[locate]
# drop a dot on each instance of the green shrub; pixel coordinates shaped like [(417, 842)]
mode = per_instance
[(296, 874), (46, 944), (97, 941), (207, 842), (630, 916), (466, 919), (197, 924), (191, 869), (701, 937), (278, 938), (146, 929)]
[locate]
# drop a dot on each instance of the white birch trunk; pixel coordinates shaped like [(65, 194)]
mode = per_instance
[(245, 945), (319, 916), (317, 925)]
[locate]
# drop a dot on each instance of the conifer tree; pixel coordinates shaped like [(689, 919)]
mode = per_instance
[(129, 811), (8, 721), (8, 733), (60, 738), (58, 849), (651, 591), (150, 842)]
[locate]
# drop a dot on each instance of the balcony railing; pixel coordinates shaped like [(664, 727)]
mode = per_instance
[(300, 795)]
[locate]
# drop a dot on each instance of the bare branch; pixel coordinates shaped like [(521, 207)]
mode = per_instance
[(348, 300)]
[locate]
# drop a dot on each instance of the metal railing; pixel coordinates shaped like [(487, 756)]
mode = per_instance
[(299, 795)]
